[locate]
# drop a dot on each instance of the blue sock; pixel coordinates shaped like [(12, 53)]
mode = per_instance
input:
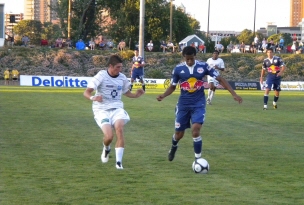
[(265, 99), (197, 145), (275, 99)]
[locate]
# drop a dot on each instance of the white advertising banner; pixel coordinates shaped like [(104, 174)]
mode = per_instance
[(292, 85), (77, 82)]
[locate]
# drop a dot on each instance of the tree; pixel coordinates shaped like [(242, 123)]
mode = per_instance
[(30, 28), (246, 36)]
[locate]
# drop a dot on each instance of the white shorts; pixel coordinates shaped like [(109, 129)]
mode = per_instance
[(109, 117), (212, 80)]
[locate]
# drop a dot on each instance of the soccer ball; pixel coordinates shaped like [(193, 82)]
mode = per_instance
[(200, 166)]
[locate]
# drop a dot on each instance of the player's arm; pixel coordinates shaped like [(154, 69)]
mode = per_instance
[(283, 67), (262, 74), (226, 85), (169, 91), (88, 95), (138, 93)]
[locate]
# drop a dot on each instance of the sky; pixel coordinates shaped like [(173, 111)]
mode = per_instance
[(225, 15)]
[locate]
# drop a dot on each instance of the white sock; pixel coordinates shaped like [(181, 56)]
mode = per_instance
[(107, 147), (119, 153), (211, 95)]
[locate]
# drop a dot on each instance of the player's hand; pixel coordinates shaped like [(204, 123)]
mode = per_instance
[(139, 92), (160, 97), (97, 98), (238, 98)]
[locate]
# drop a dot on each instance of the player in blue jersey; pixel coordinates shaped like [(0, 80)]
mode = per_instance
[(274, 67), (191, 106), (137, 70)]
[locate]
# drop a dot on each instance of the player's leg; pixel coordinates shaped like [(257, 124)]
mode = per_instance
[(197, 119), (277, 89), (213, 88), (133, 77), (210, 91), (120, 118), (182, 122), (102, 119), (141, 80), (268, 86)]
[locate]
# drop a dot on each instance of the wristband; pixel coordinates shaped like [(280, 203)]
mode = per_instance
[(91, 98)]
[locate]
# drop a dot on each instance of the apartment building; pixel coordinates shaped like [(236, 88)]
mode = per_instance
[(296, 12), (39, 10), (10, 26)]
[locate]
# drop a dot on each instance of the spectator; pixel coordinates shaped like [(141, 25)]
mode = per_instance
[(201, 47), (25, 41), (12, 40), (92, 44), (15, 74), (256, 40), (252, 48), (150, 46), (121, 46), (219, 47), (230, 47), (80, 45), (170, 45), (58, 43), (44, 42), (102, 44), (163, 46), (294, 47), (110, 44), (281, 44), (242, 47), (7, 74), (137, 70), (68, 43)]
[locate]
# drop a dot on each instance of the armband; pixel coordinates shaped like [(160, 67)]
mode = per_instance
[(91, 98)]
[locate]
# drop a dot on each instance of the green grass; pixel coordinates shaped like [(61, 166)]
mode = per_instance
[(50, 150)]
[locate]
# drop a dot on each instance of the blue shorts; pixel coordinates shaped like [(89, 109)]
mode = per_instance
[(273, 82), (183, 116), (137, 73)]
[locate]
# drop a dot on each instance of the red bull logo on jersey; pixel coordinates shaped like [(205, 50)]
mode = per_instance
[(191, 85), (273, 69)]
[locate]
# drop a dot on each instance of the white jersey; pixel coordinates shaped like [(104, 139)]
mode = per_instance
[(110, 88), (212, 63)]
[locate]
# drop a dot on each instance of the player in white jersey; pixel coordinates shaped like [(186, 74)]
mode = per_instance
[(218, 64), (109, 86)]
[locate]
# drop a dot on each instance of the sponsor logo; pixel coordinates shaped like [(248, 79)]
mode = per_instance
[(273, 69), (105, 120), (182, 71), (200, 70), (191, 85), (55, 82)]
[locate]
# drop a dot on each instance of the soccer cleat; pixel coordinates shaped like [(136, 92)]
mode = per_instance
[(275, 106), (172, 153), (119, 165), (265, 107), (105, 155)]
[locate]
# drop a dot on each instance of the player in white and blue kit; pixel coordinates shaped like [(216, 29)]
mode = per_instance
[(191, 106), (109, 86)]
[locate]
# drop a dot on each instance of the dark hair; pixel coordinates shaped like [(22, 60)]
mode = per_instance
[(189, 50), (269, 49), (113, 60), (216, 51)]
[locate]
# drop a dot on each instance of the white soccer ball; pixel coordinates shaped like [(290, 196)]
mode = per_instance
[(200, 166)]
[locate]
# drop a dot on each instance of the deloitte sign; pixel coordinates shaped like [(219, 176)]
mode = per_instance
[(54, 81)]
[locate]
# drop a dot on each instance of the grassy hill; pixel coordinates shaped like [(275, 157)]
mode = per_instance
[(45, 61)]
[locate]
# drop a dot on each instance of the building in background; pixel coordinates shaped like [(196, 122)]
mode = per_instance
[(39, 10), (2, 36), (9, 27), (296, 12)]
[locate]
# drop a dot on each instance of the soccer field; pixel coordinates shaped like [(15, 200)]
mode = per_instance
[(50, 150)]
